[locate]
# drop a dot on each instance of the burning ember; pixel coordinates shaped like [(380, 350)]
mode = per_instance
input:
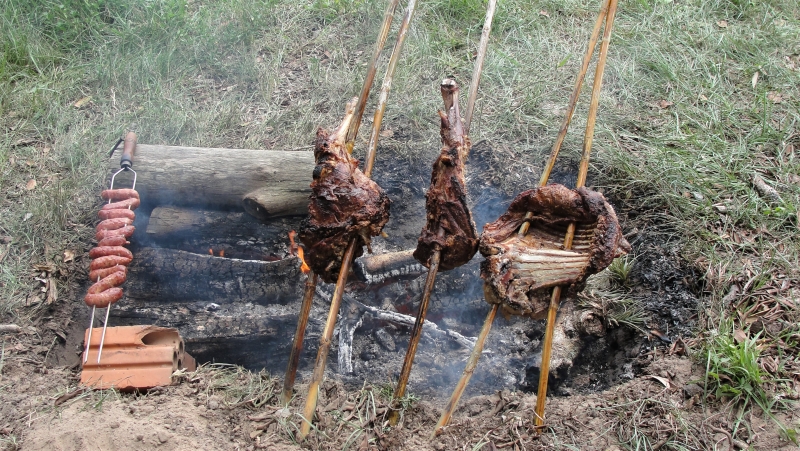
[(295, 249)]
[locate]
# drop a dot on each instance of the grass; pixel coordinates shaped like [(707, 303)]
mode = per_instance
[(698, 98)]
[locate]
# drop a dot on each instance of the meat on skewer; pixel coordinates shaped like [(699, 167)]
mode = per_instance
[(109, 257), (345, 204), (449, 224), (519, 271)]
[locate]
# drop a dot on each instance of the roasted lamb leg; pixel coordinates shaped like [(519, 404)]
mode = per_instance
[(345, 203), (449, 224), (518, 271)]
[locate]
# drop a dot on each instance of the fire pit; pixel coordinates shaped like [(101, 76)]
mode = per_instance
[(241, 307)]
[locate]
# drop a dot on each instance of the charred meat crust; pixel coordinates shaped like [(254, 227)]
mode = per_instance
[(345, 204), (449, 225), (518, 272)]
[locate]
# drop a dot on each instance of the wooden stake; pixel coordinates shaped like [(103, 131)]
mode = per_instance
[(387, 85), (347, 259), (547, 345), (325, 343), (297, 343), (576, 90), (430, 280), (467, 374), (416, 333), (352, 130), (476, 72)]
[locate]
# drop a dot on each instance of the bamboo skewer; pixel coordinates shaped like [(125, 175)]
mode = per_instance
[(547, 345), (472, 363), (416, 333), (476, 72), (347, 260), (433, 268), (380, 43), (350, 137), (606, 14), (299, 334), (377, 119)]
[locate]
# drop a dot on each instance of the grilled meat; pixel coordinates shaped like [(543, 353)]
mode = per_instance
[(345, 203), (449, 226), (518, 271)]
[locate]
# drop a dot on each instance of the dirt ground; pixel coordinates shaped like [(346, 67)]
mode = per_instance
[(659, 410)]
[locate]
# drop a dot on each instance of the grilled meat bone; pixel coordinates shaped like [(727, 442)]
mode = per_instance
[(345, 203), (518, 271), (449, 224)]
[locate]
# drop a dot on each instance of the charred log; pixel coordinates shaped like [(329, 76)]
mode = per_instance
[(168, 275)]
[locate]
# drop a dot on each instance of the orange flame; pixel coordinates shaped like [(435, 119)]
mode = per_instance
[(211, 252), (304, 267), (295, 249), (222, 253)]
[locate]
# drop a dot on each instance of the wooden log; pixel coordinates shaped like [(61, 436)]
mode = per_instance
[(181, 224), (233, 333), (168, 275), (266, 183)]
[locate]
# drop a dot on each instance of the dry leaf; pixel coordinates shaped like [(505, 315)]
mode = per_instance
[(739, 336), (388, 133), (82, 102), (69, 256), (722, 23), (775, 97), (755, 79), (664, 104), (664, 381), (544, 13), (30, 185)]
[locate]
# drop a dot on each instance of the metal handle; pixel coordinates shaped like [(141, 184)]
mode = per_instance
[(127, 151)]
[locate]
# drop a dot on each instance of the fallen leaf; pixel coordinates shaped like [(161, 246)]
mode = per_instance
[(755, 79), (30, 185), (775, 97), (664, 381), (82, 102), (69, 256), (722, 23), (739, 336), (388, 133), (544, 13), (664, 104)]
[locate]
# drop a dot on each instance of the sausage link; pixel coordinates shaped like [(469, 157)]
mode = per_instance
[(118, 240), (98, 274), (110, 281), (131, 204), (108, 261), (104, 251), (119, 194), (103, 299), (113, 224), (117, 213), (126, 232)]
